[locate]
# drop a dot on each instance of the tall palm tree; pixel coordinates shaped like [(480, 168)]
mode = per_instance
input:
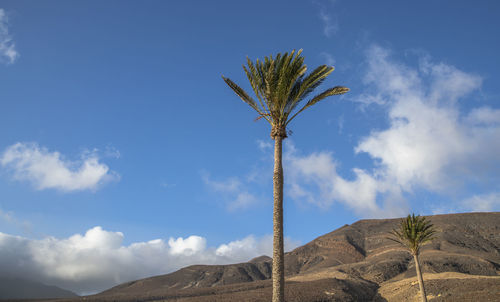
[(280, 85), (413, 232)]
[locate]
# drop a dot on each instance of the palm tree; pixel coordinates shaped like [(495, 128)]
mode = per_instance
[(413, 232), (280, 85)]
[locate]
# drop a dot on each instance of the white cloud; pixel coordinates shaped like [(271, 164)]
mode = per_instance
[(8, 51), (112, 152), (328, 57), (330, 23), (98, 259), (231, 185), (264, 145), (329, 20), (341, 123), (49, 170), (482, 202), (250, 246), (9, 218), (242, 201), (168, 185), (239, 198), (314, 178), (188, 246), (432, 143), (6, 216), (448, 83)]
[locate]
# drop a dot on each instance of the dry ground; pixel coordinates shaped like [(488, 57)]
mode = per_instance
[(449, 286)]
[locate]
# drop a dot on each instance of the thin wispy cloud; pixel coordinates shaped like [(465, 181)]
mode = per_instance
[(112, 152), (98, 259), (328, 19), (168, 185), (482, 202), (233, 191), (8, 52), (50, 170), (9, 218), (329, 60), (340, 123), (230, 185), (243, 200), (264, 146), (330, 23)]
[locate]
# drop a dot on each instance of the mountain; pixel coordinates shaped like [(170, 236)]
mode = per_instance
[(354, 263), (198, 276), (15, 288)]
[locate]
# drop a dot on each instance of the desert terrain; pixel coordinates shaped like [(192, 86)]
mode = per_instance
[(353, 263)]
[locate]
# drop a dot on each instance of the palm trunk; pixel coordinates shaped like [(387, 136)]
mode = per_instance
[(278, 248), (420, 280)]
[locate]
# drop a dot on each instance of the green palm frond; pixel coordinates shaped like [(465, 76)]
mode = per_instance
[(255, 81), (280, 85), (413, 232), (244, 96), (329, 92)]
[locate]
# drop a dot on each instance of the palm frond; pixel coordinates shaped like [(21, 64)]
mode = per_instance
[(329, 92), (255, 81), (413, 232), (307, 85), (244, 96)]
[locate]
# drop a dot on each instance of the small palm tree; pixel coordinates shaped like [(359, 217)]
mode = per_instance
[(280, 85), (413, 232)]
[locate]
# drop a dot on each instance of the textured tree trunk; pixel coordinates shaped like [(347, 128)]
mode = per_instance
[(278, 248), (423, 295)]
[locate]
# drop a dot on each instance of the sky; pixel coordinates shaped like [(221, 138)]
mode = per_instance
[(124, 155)]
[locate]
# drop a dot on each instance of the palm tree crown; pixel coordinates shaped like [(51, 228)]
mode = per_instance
[(280, 85), (413, 232)]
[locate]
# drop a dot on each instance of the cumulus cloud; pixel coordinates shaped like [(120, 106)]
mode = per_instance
[(234, 189), (8, 51), (98, 259), (49, 170), (188, 246), (434, 142), (250, 247), (314, 178)]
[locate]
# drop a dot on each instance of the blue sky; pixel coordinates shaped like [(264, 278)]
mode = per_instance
[(122, 146)]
